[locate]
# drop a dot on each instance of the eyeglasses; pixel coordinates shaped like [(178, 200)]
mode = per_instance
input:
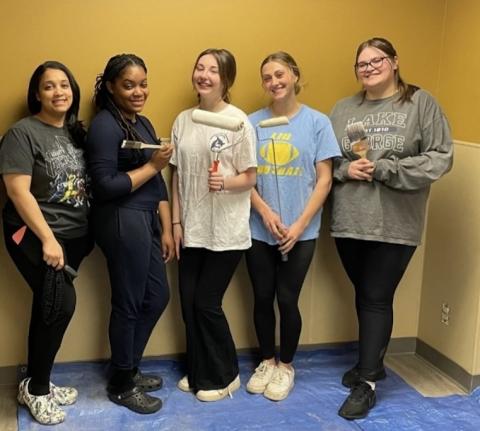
[(374, 62)]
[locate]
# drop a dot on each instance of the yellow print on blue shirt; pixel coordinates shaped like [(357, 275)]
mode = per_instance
[(279, 152)]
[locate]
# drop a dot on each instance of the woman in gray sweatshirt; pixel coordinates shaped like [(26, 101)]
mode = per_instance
[(379, 199)]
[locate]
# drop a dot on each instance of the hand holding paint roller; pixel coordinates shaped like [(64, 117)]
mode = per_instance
[(219, 142), (362, 168), (273, 222)]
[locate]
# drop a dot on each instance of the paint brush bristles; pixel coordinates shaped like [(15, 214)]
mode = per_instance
[(358, 139), (356, 132)]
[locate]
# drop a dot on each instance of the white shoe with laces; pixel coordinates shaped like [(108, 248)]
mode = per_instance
[(261, 377), (219, 394), (43, 408), (183, 384), (281, 384)]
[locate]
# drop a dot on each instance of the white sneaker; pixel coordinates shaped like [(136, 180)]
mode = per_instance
[(64, 395), (218, 394), (261, 377), (183, 384), (281, 384), (43, 408)]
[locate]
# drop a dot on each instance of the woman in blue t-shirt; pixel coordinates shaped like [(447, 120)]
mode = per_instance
[(129, 204), (294, 176)]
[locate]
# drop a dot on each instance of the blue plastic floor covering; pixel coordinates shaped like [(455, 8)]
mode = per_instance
[(312, 405)]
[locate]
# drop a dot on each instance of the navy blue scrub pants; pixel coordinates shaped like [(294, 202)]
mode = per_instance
[(130, 241)]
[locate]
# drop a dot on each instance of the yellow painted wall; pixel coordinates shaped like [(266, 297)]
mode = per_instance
[(321, 34), (451, 272), (459, 84)]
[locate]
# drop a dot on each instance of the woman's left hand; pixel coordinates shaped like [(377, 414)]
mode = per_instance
[(216, 181), (168, 247), (291, 236)]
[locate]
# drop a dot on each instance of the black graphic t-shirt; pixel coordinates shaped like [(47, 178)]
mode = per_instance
[(58, 172)]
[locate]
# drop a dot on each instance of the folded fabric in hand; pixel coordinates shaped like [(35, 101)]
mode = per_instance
[(52, 294)]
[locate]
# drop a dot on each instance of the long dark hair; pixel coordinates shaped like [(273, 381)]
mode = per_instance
[(227, 68), (74, 126), (102, 98), (405, 90)]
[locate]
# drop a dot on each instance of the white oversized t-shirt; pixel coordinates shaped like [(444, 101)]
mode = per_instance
[(216, 221)]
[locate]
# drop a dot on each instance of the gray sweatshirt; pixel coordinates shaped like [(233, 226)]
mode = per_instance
[(411, 146)]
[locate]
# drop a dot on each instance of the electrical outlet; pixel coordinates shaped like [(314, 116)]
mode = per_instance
[(445, 314)]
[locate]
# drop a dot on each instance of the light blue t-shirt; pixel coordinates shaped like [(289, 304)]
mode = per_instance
[(294, 149)]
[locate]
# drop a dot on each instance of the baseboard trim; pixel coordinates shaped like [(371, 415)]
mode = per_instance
[(8, 377), (11, 375), (402, 345), (468, 381)]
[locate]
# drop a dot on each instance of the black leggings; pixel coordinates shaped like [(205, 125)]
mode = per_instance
[(44, 340), (204, 276), (272, 277), (375, 269)]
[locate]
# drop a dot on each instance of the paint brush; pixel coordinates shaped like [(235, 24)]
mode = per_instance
[(139, 145), (358, 138)]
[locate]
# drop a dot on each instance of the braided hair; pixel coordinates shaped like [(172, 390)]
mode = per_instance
[(73, 124), (103, 99)]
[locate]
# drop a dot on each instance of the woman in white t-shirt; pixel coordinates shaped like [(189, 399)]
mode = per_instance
[(210, 224)]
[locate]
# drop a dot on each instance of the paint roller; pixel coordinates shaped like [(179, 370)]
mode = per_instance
[(220, 121), (273, 122), (213, 119)]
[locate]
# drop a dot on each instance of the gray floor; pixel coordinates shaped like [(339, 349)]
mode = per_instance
[(425, 378)]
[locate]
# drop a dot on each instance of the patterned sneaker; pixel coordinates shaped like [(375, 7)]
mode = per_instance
[(43, 408), (218, 394), (64, 395), (281, 384), (261, 378), (183, 384)]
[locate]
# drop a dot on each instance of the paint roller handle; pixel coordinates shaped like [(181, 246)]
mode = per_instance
[(214, 166)]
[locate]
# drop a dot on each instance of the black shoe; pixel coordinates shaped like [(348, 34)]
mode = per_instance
[(361, 399), (137, 401), (351, 377), (147, 382)]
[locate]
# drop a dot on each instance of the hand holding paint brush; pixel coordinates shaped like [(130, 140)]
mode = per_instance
[(161, 155), (362, 168), (358, 138)]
